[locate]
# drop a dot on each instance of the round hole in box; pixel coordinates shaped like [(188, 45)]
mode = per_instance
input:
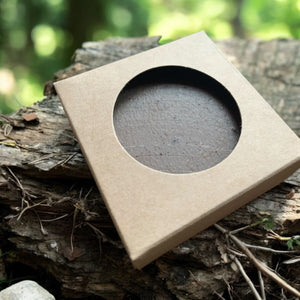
[(176, 120)]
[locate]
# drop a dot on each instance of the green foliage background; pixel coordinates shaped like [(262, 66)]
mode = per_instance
[(38, 37)]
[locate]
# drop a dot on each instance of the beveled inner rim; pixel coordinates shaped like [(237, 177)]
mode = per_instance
[(176, 120)]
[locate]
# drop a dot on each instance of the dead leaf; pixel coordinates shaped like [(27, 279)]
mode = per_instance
[(67, 143), (290, 195), (72, 255), (29, 117), (223, 252)]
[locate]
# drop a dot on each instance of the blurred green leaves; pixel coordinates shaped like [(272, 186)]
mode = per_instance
[(38, 37)]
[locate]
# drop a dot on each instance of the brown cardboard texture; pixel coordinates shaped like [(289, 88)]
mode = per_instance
[(154, 211)]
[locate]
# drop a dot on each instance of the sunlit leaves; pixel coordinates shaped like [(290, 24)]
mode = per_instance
[(270, 19), (17, 38), (121, 17), (179, 18), (175, 24), (18, 87), (29, 89), (266, 19), (221, 30), (44, 39), (273, 31), (37, 37)]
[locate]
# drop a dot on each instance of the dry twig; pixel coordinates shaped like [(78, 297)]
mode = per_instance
[(7, 118), (248, 280), (29, 207), (270, 249), (73, 228), (19, 184), (55, 219), (100, 236), (220, 296), (43, 230), (262, 286), (259, 265)]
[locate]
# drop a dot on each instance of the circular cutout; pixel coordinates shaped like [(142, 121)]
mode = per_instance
[(176, 120)]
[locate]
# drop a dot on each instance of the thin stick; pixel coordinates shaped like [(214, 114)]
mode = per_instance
[(7, 118), (194, 277), (235, 252), (228, 288), (248, 280), (55, 219), (241, 229), (73, 228), (69, 158), (97, 231), (283, 295), (44, 232), (220, 296), (292, 260), (29, 207), (259, 265), (262, 286), (47, 156), (23, 191), (16, 178), (19, 184), (88, 193), (99, 235), (64, 161), (270, 249)]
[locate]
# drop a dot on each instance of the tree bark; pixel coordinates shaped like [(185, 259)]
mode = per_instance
[(53, 217)]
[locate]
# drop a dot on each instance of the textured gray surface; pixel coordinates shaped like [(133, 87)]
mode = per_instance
[(273, 68), (176, 120)]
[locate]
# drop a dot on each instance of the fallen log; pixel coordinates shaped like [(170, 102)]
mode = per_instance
[(53, 218)]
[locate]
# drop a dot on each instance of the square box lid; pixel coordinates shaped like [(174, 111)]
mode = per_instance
[(154, 211)]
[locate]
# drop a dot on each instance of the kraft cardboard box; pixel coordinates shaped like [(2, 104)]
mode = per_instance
[(155, 210)]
